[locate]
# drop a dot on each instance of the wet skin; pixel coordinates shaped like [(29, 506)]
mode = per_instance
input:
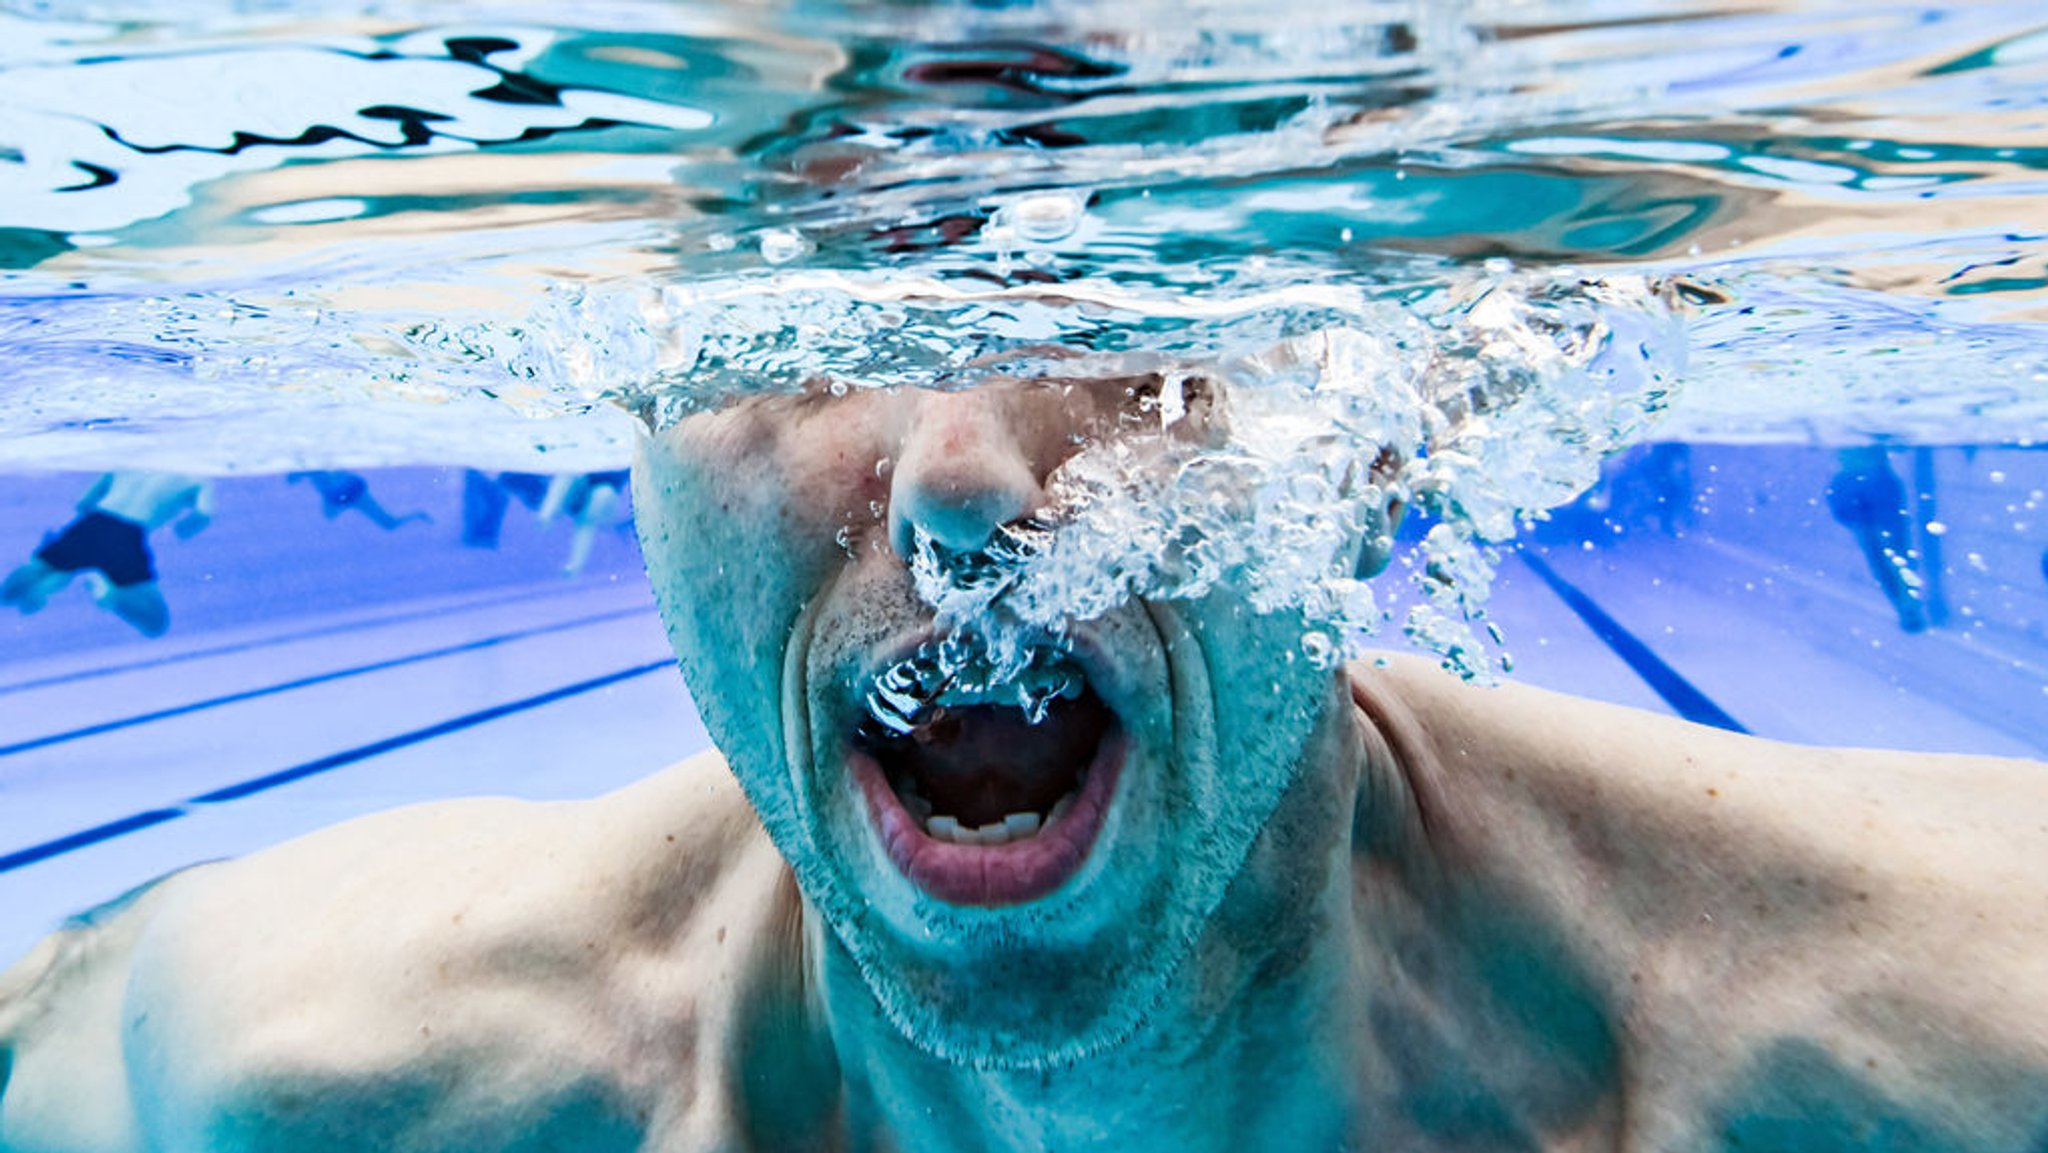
[(1366, 909)]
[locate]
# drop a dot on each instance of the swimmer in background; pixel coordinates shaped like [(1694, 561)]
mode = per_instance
[(1867, 498), (485, 499), (591, 501), (342, 491), (109, 542)]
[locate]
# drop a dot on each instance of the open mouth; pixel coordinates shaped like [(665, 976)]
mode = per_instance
[(980, 804)]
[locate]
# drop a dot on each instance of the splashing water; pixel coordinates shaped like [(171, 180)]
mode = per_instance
[(1476, 404)]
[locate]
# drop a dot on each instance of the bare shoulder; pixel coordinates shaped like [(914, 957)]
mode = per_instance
[(62, 1082), (1800, 946), (1656, 794), (448, 874), (315, 988)]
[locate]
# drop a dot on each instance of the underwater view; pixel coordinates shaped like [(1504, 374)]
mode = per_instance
[(1687, 357)]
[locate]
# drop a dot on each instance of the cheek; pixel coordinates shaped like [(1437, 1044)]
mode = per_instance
[(833, 471), (738, 518), (839, 484), (714, 537), (769, 490), (1275, 698)]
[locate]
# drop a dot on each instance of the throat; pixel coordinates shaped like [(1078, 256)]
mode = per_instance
[(1254, 1072)]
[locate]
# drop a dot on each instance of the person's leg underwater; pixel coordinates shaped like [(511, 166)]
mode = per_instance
[(483, 510), (1867, 498), (594, 511), (342, 491), (30, 586), (141, 604)]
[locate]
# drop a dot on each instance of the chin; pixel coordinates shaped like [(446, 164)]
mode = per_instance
[(1017, 894)]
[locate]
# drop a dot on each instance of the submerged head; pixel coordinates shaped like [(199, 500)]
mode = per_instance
[(1015, 889), (1149, 517)]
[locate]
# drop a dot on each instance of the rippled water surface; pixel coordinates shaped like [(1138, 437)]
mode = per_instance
[(1506, 240)]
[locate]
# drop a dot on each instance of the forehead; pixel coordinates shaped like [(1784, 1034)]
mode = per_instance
[(1062, 412), (1080, 393)]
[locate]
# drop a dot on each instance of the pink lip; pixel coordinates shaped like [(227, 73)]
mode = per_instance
[(993, 875)]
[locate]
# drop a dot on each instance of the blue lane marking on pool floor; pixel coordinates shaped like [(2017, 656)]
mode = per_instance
[(21, 858), (92, 730), (1682, 695), (267, 641), (85, 837)]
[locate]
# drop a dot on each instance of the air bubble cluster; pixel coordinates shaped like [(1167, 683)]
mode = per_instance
[(1473, 405)]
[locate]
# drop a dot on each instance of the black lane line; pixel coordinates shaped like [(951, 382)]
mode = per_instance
[(98, 833), (1681, 694), (305, 682), (278, 639)]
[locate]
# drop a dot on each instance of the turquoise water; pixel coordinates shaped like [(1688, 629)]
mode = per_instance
[(1514, 242), (390, 219)]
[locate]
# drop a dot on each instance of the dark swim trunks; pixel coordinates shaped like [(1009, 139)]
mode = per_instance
[(114, 545)]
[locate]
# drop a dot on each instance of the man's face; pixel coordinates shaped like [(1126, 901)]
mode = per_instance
[(1013, 892)]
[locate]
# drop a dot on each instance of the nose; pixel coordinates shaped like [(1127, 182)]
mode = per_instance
[(963, 471)]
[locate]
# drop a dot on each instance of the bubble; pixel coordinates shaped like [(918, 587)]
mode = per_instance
[(1044, 217), (1321, 651), (782, 245)]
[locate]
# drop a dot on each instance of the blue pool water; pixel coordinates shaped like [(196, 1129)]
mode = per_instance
[(431, 247)]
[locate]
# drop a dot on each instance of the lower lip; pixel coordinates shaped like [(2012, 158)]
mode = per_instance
[(993, 875)]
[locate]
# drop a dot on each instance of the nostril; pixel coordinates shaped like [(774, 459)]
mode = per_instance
[(960, 477), (961, 519)]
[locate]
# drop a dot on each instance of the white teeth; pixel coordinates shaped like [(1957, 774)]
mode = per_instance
[(1014, 827), (949, 829)]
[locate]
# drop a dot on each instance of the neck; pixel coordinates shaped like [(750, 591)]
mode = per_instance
[(1243, 1052)]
